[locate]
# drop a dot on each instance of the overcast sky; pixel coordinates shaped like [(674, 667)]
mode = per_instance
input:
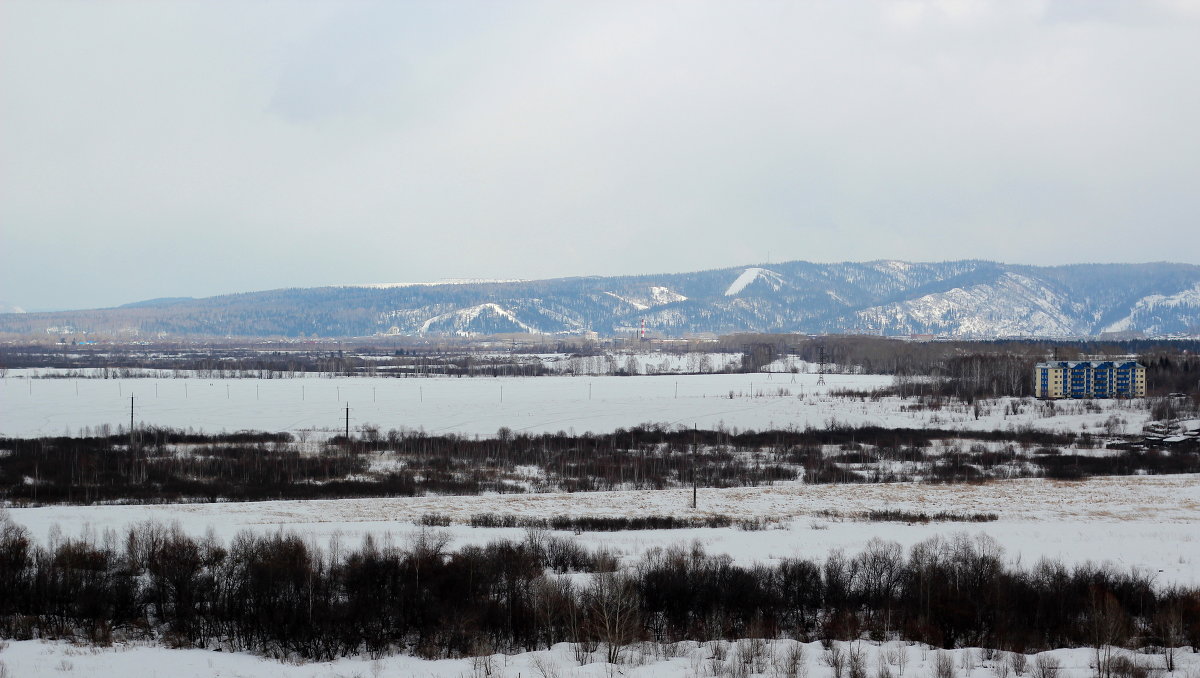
[(153, 149)]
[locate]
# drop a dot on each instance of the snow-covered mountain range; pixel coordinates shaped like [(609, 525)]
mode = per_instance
[(959, 298)]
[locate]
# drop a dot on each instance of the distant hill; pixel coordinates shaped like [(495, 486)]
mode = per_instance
[(957, 298)]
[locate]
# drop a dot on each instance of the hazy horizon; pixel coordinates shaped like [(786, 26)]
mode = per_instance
[(175, 148)]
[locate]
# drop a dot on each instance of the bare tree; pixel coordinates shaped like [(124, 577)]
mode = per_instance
[(613, 613), (1168, 625), (1106, 628)]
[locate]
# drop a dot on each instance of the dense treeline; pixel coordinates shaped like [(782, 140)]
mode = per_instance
[(281, 595), (974, 369), (962, 369), (1173, 372), (162, 465), (241, 363)]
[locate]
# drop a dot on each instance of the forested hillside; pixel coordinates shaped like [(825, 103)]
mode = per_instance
[(960, 298)]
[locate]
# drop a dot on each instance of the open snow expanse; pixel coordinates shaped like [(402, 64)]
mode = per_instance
[(1147, 522), (38, 659), (1142, 522), (480, 406)]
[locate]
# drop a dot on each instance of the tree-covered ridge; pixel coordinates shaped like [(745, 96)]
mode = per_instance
[(961, 298)]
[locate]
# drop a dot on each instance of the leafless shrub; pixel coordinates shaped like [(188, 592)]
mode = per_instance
[(835, 658), (856, 661), (898, 656), (752, 652), (583, 650), (484, 666), (1019, 663), (1122, 666), (434, 520), (791, 663), (718, 650), (966, 661), (1046, 666), (546, 668), (943, 665), (673, 650)]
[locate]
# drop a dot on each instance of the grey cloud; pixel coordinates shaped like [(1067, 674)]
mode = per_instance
[(198, 148)]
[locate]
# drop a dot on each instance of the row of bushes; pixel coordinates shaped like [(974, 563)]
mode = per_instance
[(171, 466), (282, 595)]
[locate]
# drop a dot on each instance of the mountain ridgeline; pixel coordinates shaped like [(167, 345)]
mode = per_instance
[(969, 299)]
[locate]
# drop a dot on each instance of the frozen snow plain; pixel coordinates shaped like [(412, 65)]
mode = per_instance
[(1139, 522), (1147, 522), (38, 659), (481, 405)]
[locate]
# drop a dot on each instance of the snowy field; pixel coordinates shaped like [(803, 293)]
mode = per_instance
[(480, 406), (1143, 522), (37, 659), (1147, 522)]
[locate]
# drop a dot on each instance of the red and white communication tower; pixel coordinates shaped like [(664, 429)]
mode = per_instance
[(643, 329)]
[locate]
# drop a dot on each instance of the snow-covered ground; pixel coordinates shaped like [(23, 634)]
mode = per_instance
[(1146, 522), (480, 406), (37, 659)]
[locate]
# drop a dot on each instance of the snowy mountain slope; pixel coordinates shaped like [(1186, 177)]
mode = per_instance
[(1013, 305), (752, 275), (481, 319), (1153, 312), (957, 298)]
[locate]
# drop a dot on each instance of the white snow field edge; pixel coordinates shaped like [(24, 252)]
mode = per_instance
[(481, 406), (38, 659), (1144, 522)]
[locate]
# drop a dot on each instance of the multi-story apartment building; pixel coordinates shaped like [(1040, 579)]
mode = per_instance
[(1089, 379)]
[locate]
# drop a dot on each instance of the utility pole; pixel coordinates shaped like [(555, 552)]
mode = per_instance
[(821, 378), (130, 423), (347, 423), (694, 466)]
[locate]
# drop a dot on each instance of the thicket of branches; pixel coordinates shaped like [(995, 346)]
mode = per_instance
[(282, 595), (163, 465)]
